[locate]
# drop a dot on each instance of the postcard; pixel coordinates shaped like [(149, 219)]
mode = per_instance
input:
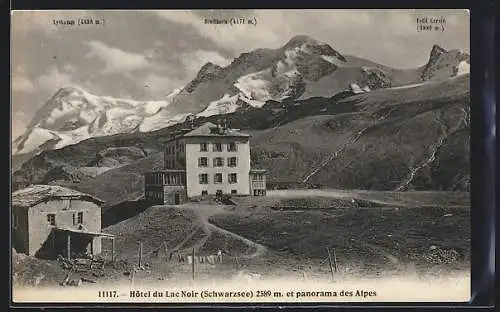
[(240, 156)]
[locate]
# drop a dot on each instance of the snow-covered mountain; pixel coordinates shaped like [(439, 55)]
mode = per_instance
[(73, 114), (302, 68)]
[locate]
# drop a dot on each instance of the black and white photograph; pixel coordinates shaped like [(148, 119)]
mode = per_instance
[(240, 156)]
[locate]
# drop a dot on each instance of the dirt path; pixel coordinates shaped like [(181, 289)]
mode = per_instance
[(334, 155), (426, 162), (204, 212), (394, 198), (260, 249), (190, 235)]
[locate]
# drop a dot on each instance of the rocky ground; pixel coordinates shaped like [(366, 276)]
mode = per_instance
[(266, 238)]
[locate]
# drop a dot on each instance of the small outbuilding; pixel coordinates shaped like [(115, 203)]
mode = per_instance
[(50, 220)]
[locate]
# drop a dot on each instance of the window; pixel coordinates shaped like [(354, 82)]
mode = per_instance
[(205, 192), (51, 219), (231, 147), (218, 192), (232, 178), (231, 162), (80, 218), (66, 203), (218, 147), (202, 162), (203, 178), (218, 178), (203, 147), (234, 192), (258, 177), (218, 162)]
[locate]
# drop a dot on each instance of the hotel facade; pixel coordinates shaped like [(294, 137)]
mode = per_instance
[(208, 160)]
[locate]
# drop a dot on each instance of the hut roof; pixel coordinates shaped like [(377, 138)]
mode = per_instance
[(35, 194)]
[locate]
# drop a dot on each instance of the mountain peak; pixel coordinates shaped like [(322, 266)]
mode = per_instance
[(207, 72), (444, 63), (209, 68), (299, 40), (68, 91), (436, 50)]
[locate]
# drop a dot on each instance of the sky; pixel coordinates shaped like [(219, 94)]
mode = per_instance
[(144, 55)]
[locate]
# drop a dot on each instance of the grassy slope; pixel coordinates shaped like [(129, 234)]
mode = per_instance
[(381, 158), (122, 184), (402, 129), (364, 238)]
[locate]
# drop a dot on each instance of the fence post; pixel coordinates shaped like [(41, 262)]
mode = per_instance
[(192, 263), (335, 260), (113, 250), (330, 261), (140, 254)]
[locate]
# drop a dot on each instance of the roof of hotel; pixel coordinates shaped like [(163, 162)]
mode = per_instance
[(206, 130), (33, 195)]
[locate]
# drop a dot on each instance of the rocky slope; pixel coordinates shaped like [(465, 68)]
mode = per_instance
[(402, 138), (303, 68), (316, 116)]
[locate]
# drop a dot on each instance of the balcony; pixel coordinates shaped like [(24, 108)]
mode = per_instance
[(165, 177), (258, 185)]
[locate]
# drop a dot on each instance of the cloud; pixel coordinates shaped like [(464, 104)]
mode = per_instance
[(237, 38), (116, 60), (350, 31), (18, 127), (21, 83), (193, 61), (53, 80), (159, 86), (35, 21), (273, 26)]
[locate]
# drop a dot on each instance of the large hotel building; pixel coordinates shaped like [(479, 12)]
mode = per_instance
[(209, 160)]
